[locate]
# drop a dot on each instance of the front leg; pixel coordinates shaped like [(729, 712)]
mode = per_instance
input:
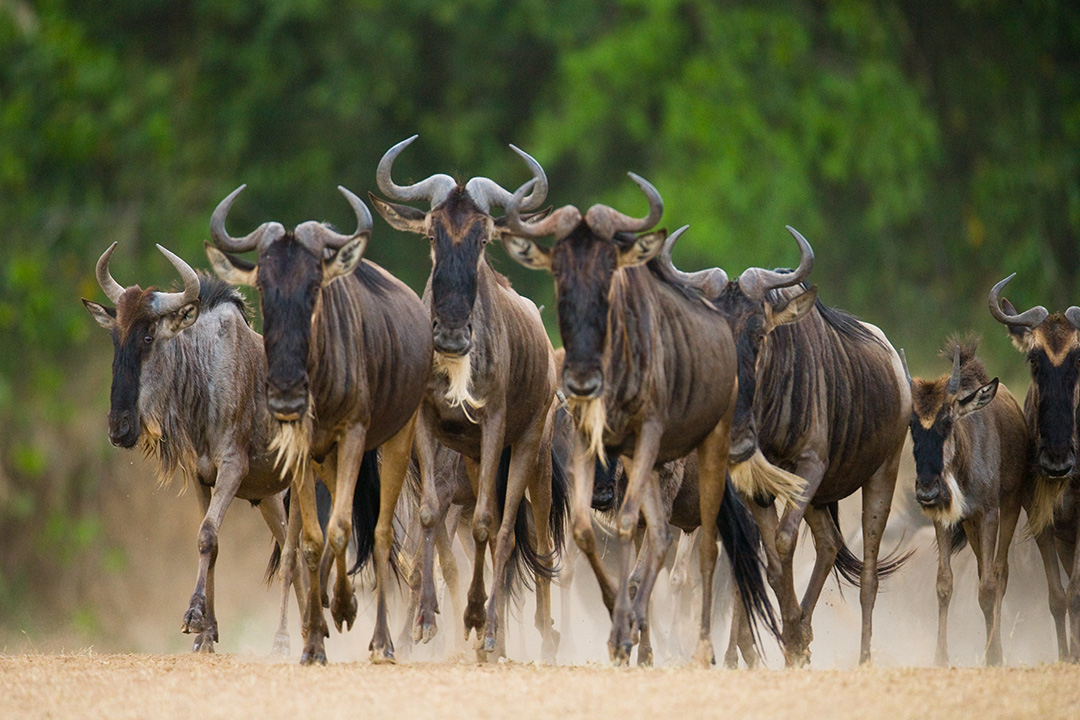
[(583, 470), (944, 592), (273, 512), (313, 625), (492, 432), (350, 453), (434, 502)]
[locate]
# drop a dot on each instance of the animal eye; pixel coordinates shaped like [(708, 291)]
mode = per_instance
[(148, 339)]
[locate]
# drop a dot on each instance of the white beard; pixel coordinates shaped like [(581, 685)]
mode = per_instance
[(458, 371)]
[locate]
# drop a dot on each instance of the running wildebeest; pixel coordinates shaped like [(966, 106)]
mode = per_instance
[(971, 462), (348, 353), (189, 378), (823, 395), (649, 375), (1052, 347), (492, 388)]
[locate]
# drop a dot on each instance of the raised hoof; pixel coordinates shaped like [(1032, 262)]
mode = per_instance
[(549, 647), (644, 658), (489, 643), (281, 645), (475, 617), (426, 628), (343, 610), (195, 617), (704, 656)]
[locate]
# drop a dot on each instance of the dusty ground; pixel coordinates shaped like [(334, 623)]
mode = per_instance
[(91, 685)]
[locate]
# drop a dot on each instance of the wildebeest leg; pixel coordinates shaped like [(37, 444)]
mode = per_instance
[(433, 506), (655, 547), (877, 497), (477, 595), (523, 465), (680, 589), (200, 617), (1072, 597), (741, 638), (985, 528), (796, 634), (273, 512), (349, 454), (1009, 516), (639, 476), (540, 500), (326, 469), (637, 576), (313, 626), (584, 533), (944, 592), (395, 463), (1056, 593), (826, 546), (712, 475), (444, 544)]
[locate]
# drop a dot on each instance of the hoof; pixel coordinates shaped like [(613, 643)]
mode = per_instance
[(343, 610), (426, 628), (549, 648), (704, 656), (314, 658), (281, 645), (383, 656), (644, 658), (475, 617), (195, 617), (204, 643)]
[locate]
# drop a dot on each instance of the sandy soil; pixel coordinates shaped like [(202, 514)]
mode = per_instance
[(91, 685)]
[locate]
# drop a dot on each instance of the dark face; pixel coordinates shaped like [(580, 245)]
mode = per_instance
[(459, 232), (747, 321), (131, 345), (929, 437), (289, 283), (1055, 367), (583, 266)]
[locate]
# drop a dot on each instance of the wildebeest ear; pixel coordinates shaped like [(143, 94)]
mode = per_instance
[(500, 222), (643, 249), (790, 310), (401, 217), (106, 317), (231, 269), (345, 260), (1022, 337), (978, 399), (174, 322), (527, 252)]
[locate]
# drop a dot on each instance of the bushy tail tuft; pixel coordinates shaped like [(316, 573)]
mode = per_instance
[(758, 478), (850, 568), (366, 514)]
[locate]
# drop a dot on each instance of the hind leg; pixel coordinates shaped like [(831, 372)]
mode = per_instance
[(540, 496), (273, 513), (712, 476), (826, 547), (877, 497)]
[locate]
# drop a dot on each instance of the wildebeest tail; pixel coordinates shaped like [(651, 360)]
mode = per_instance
[(849, 567), (365, 513), (958, 539), (742, 542), (560, 505), (525, 562), (323, 506)]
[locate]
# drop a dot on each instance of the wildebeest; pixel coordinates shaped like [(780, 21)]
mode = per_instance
[(492, 388), (971, 463), (189, 378), (1052, 347), (348, 353), (649, 375), (823, 395)]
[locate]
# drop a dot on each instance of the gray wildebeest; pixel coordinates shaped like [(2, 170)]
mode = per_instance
[(971, 463), (492, 389), (649, 375), (1052, 347), (824, 396), (189, 380), (348, 353)]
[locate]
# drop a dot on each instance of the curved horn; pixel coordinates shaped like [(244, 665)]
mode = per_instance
[(766, 280), (1030, 318), (112, 289), (487, 193), (1073, 316), (710, 281), (558, 223), (606, 221), (165, 303), (434, 189), (954, 379), (250, 241), (317, 235)]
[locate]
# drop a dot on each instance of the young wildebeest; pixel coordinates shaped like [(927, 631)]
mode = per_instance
[(970, 469), (349, 353), (492, 388), (650, 375), (1051, 410), (189, 380), (825, 398)]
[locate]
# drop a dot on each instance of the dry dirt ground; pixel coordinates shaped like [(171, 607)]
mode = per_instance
[(92, 685)]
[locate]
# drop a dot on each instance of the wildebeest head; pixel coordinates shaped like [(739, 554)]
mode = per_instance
[(141, 320), (1052, 347), (936, 409), (291, 270), (752, 311), (459, 225), (586, 253)]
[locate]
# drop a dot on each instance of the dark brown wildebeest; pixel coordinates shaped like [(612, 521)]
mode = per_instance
[(1052, 347), (348, 352), (189, 378), (971, 463), (492, 388), (649, 375), (825, 398)]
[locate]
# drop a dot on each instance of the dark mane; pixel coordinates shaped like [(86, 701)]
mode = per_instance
[(371, 278), (844, 323), (214, 291)]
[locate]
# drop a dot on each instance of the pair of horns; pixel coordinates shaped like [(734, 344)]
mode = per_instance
[(485, 192), (1030, 319), (604, 220), (314, 235), (163, 303)]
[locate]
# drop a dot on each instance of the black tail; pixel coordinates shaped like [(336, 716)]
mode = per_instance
[(958, 539), (366, 513), (560, 505), (850, 567), (605, 494), (741, 539), (323, 506)]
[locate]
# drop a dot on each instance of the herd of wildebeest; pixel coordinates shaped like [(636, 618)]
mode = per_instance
[(732, 407)]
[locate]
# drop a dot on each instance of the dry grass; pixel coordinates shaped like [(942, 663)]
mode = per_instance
[(91, 685)]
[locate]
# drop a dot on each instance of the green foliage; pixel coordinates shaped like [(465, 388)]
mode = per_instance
[(926, 149)]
